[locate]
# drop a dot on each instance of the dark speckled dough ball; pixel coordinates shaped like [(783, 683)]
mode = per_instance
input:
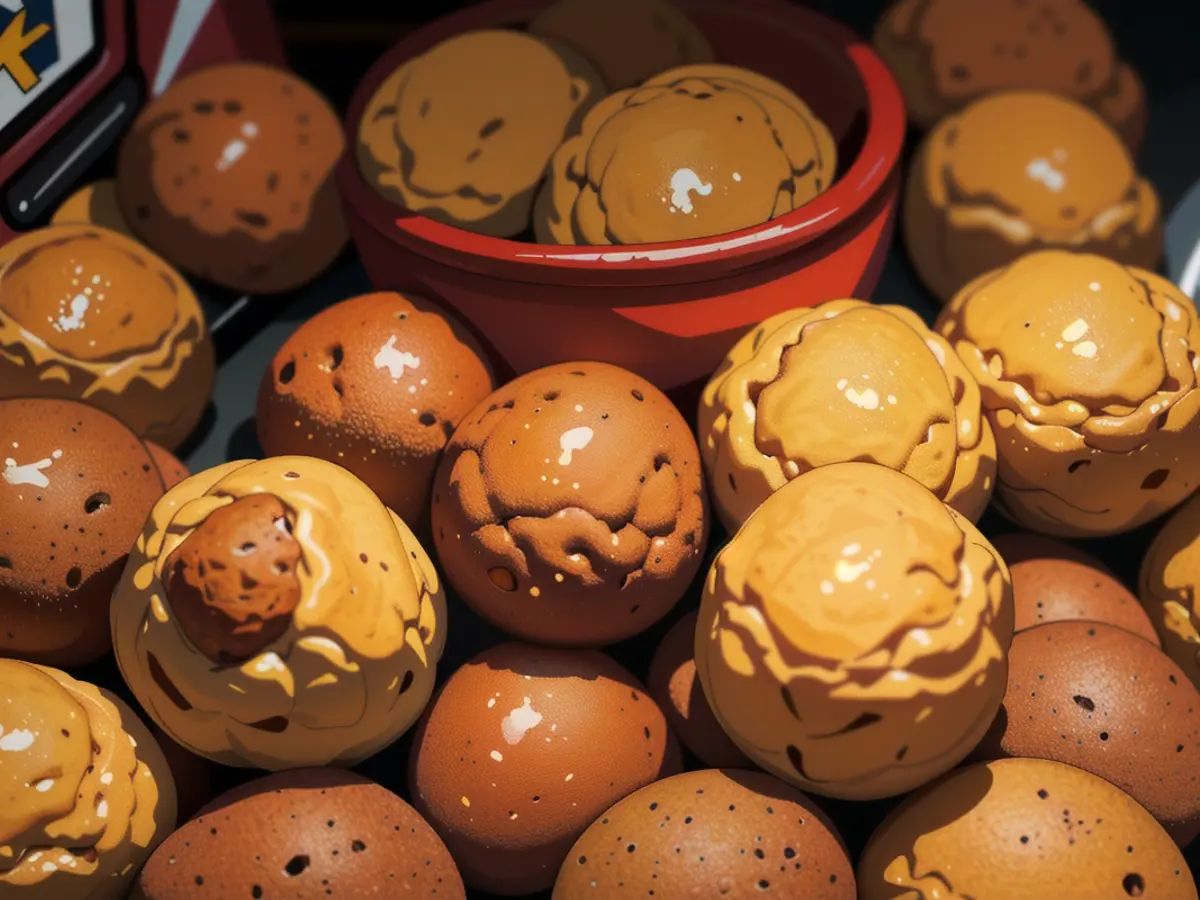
[(76, 487), (725, 833), (1106, 701), (307, 833), (229, 175), (1054, 581), (569, 507)]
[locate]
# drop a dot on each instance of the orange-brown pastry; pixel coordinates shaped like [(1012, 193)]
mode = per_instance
[(1087, 370), (843, 381), (627, 40), (376, 384), (569, 506), (696, 151), (1169, 587), (1018, 172), (853, 635), (75, 489), (87, 314), (275, 614), (946, 53), (85, 792), (1022, 828), (94, 204), (229, 174), (463, 133)]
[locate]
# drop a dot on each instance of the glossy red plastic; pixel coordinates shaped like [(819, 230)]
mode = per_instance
[(667, 311)]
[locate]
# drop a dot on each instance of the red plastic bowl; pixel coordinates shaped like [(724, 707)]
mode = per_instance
[(667, 311)]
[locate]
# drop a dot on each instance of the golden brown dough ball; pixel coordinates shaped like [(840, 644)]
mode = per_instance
[(1169, 587), (87, 794), (275, 614), (731, 149), (1087, 369), (1022, 171), (853, 634), (1020, 828), (946, 53), (229, 174), (569, 506), (844, 380), (376, 384), (627, 40), (88, 314), (463, 133)]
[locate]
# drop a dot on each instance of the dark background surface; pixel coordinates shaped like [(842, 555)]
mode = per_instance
[(332, 45)]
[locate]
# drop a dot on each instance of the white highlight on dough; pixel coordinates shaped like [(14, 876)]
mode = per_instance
[(1075, 331), (683, 182), (868, 399), (497, 756), (847, 572), (574, 439), (520, 722), (73, 322), (44, 785), (395, 361), (16, 741), (1043, 171), (737, 176), (236, 149), (1086, 349), (31, 473), (102, 809)]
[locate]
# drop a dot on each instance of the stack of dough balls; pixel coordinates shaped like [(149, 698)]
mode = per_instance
[(1018, 172), (88, 314), (463, 132), (276, 614), (87, 794), (229, 174), (634, 175), (1087, 370), (853, 635), (947, 53), (843, 381)]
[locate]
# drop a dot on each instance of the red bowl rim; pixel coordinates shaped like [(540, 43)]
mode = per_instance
[(867, 176)]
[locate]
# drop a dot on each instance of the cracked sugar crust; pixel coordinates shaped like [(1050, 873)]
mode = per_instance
[(569, 508), (1087, 370)]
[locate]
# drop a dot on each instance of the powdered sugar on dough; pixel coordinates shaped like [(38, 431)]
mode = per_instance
[(33, 473)]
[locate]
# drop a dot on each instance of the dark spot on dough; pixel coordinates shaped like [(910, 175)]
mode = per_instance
[(181, 135), (637, 395), (732, 483), (232, 107), (427, 419), (256, 892), (501, 577), (5, 563), (490, 128), (1069, 212), (1043, 793), (1133, 884), (790, 703), (288, 372), (363, 558), (550, 396), (296, 866), (1104, 735), (204, 107), (406, 681), (199, 881), (474, 155), (960, 73), (96, 502), (339, 388), (426, 105), (901, 753), (165, 684), (273, 725), (272, 182), (763, 884), (1155, 479), (1077, 465), (358, 846), (1084, 703), (251, 218), (74, 577), (142, 212), (291, 476)]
